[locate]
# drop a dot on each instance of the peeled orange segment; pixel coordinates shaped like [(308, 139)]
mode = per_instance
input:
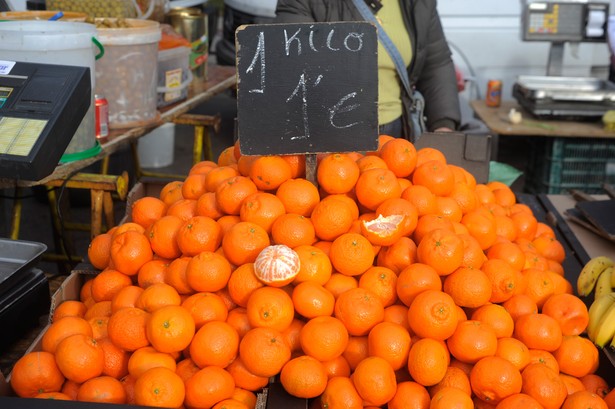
[(277, 265), (383, 230)]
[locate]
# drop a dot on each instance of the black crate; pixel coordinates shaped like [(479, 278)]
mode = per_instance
[(556, 165)]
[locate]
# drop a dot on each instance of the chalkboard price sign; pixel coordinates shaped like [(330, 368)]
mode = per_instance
[(307, 88)]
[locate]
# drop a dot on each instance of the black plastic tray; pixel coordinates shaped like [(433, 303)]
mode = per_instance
[(17, 256)]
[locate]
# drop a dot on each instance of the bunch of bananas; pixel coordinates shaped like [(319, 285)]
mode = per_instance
[(598, 276)]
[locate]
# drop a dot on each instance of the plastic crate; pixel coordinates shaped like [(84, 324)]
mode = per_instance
[(556, 165)]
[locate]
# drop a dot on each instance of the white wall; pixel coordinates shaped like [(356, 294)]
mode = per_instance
[(485, 39)]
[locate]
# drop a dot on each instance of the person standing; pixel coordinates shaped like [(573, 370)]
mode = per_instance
[(415, 29)]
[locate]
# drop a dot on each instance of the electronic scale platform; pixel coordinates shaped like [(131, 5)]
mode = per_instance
[(41, 107)]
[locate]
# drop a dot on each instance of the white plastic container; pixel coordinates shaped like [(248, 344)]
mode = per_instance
[(127, 75), (174, 75), (155, 150), (55, 42)]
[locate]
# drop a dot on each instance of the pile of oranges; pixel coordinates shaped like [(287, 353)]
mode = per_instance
[(415, 287)]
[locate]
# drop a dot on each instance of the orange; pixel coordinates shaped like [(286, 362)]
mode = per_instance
[(414, 279), (124, 227), (269, 172), (68, 308), (206, 205), (34, 373), (526, 225), (359, 310), (465, 197), (584, 399), (126, 328), (374, 379), (146, 210), (538, 331), (116, 359), (550, 248), (242, 283), (324, 338), (569, 311), (332, 217), (540, 285), (80, 357), (503, 279), (572, 384), (447, 207), (54, 396), (208, 386), (374, 186), (217, 175), (509, 252), (340, 393), (198, 234), (442, 250), (433, 314), (215, 343), (351, 254), (156, 296), (208, 272), (410, 395), (270, 307), (227, 156), (514, 351), (175, 276), (205, 307), (238, 319), (102, 389), (383, 230), (481, 225), (428, 153), (455, 377), (543, 384), (159, 387), (126, 297), (244, 396), (99, 251), (171, 192), (577, 356), (436, 176), (230, 404), (170, 328), (148, 357), (340, 283), (277, 265), (311, 300), (98, 309), (99, 327), (390, 341), (469, 287), (505, 227), (337, 173), (473, 255), (451, 397), (540, 356), (129, 251), (63, 328), (337, 367), (231, 193), (370, 162), (290, 334), (297, 165), (422, 198), (314, 265), (494, 378), (400, 156), (428, 223), (304, 377), (497, 317), (227, 221), (107, 283), (245, 379), (595, 384), (194, 186), (610, 399), (519, 401), (293, 230), (398, 314), (381, 281), (520, 304), (397, 256), (356, 351), (428, 361), (183, 208), (185, 368), (264, 351), (262, 208), (243, 242), (298, 196), (472, 341), (162, 235)]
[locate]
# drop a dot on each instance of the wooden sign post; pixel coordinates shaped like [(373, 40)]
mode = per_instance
[(307, 88)]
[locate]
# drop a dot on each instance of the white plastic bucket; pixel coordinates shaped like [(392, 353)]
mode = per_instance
[(155, 150), (55, 42)]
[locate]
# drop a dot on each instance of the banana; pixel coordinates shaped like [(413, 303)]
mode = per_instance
[(596, 311), (603, 283), (613, 278), (606, 328), (590, 272)]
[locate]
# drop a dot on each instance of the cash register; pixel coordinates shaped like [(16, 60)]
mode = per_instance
[(555, 96)]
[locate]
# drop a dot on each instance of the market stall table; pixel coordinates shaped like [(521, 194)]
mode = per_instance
[(564, 154)]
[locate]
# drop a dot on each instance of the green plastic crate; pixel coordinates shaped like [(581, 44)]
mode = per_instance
[(556, 165)]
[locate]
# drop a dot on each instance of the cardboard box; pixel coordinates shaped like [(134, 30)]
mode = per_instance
[(470, 151)]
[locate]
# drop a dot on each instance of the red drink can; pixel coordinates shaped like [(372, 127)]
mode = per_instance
[(494, 93), (102, 116)]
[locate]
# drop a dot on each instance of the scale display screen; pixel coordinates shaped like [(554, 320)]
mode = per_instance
[(41, 107)]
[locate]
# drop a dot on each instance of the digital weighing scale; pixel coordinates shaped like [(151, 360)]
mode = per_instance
[(41, 107), (555, 96)]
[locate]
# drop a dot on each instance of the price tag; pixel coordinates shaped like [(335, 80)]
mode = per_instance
[(307, 88)]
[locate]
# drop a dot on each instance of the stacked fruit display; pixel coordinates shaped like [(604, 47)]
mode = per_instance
[(399, 282), (597, 280)]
